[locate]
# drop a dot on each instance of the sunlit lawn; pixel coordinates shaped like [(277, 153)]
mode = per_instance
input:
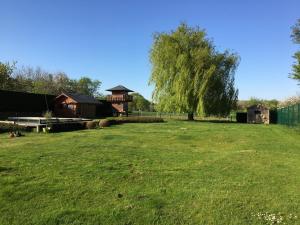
[(170, 173)]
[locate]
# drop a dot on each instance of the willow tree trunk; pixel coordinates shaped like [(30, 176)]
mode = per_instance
[(190, 116)]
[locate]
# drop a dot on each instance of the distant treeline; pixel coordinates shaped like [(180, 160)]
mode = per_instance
[(139, 103), (272, 104), (242, 105), (37, 80)]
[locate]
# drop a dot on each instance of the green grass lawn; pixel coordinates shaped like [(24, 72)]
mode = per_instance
[(170, 173)]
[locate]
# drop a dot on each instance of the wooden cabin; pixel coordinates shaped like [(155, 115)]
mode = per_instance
[(119, 99), (258, 114), (75, 105)]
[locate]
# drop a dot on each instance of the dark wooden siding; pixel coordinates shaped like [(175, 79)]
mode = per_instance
[(104, 109), (14, 103)]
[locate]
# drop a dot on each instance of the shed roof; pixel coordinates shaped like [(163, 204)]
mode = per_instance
[(258, 106), (119, 88), (80, 98)]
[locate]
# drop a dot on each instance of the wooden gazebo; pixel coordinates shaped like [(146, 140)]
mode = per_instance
[(119, 99)]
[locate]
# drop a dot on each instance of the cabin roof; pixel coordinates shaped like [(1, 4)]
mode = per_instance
[(80, 98), (257, 106), (119, 88)]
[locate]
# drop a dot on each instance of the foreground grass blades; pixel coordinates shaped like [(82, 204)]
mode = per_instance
[(165, 173)]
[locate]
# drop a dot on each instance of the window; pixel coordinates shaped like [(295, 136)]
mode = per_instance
[(70, 107)]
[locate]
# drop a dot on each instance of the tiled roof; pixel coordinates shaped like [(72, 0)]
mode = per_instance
[(80, 98), (119, 88)]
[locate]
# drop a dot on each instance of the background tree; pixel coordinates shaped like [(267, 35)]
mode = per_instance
[(6, 80), (271, 104), (37, 80), (296, 38), (289, 101), (221, 96), (185, 65), (23, 78), (296, 32), (139, 103), (86, 86), (62, 82)]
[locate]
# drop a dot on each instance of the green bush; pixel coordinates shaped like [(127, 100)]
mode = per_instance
[(8, 127), (91, 125), (104, 123), (60, 127), (120, 120)]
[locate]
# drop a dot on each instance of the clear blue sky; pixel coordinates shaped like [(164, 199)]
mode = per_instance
[(110, 40)]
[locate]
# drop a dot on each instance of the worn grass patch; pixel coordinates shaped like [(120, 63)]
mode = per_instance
[(168, 173)]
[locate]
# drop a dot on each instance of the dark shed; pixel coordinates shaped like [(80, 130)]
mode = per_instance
[(14, 103), (258, 114)]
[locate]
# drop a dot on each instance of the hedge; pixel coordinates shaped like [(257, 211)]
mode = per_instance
[(5, 127), (120, 120), (8, 127), (241, 117)]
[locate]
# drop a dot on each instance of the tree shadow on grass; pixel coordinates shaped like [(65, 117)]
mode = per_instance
[(216, 121), (210, 121), (5, 169)]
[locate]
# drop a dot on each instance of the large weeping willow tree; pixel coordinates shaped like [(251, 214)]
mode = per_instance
[(296, 66), (188, 73), (221, 95)]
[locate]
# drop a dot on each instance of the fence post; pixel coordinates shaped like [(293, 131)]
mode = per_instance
[(288, 115), (292, 109), (298, 113), (281, 114), (285, 116), (294, 115)]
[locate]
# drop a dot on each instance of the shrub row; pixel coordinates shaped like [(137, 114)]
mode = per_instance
[(241, 117), (91, 124), (120, 120), (60, 127), (6, 127), (104, 123), (74, 126)]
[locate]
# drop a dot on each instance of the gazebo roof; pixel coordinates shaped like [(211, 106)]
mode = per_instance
[(119, 88)]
